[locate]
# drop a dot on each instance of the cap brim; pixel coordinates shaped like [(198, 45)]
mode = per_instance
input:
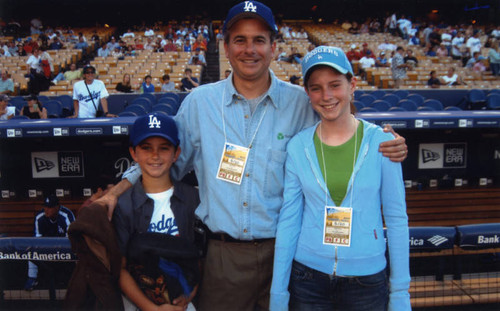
[(140, 139), (334, 66), (241, 16)]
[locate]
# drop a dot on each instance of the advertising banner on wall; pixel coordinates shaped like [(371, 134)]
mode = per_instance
[(56, 164), (442, 156)]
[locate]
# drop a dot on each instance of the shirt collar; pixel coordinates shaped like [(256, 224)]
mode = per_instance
[(140, 196), (272, 93)]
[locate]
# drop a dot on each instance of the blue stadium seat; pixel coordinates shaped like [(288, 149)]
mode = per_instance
[(425, 108), (144, 102), (169, 100), (127, 114), (397, 109), (402, 94), (378, 94), (54, 108), (391, 99), (495, 91), (165, 108), (150, 96), (368, 109), (172, 95), (434, 104), (67, 105), (408, 105), (43, 98), (416, 98), (358, 93), (476, 100), (359, 105), (381, 105), (367, 99), (493, 101), (137, 109), (452, 108), (19, 117), (18, 104)]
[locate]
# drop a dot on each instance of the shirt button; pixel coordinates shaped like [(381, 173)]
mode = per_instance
[(247, 174), (245, 204), (245, 230), (246, 116)]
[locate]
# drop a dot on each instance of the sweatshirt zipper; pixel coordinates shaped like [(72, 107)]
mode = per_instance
[(336, 262)]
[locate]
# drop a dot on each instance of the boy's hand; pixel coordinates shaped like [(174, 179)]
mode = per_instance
[(184, 300), (396, 149), (167, 307)]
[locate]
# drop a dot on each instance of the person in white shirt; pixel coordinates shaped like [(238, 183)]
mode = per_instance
[(149, 32), (474, 43), (6, 112), (88, 94), (128, 34)]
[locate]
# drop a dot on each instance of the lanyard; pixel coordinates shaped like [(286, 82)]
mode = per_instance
[(224, 122), (353, 162)]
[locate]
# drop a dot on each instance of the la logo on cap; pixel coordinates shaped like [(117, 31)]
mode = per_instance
[(250, 7), (154, 122)]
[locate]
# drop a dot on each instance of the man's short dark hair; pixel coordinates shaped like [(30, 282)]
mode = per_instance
[(188, 69), (165, 77), (272, 34)]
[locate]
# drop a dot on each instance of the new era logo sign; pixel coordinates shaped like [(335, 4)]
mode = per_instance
[(250, 7), (428, 155), (42, 164), (154, 122)]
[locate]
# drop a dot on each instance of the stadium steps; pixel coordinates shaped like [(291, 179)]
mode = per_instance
[(211, 73)]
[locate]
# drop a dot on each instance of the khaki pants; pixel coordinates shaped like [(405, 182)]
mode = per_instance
[(237, 276)]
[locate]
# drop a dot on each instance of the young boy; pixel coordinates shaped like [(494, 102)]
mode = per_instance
[(156, 205)]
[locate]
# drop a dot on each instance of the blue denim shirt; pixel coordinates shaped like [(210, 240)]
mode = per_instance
[(250, 210)]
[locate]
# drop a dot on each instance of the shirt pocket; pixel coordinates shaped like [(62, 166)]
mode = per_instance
[(275, 168)]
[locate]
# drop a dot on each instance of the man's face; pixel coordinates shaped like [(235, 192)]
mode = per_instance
[(249, 49), (51, 212), (89, 75), (72, 67), (3, 105), (4, 75)]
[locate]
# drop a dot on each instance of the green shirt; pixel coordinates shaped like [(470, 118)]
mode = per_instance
[(339, 164)]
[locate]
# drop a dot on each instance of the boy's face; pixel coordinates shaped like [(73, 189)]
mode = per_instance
[(155, 155)]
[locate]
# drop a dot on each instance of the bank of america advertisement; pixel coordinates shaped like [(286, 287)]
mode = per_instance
[(57, 164), (442, 156)]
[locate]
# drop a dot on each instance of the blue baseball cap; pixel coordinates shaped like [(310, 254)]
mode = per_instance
[(154, 124), (328, 56), (250, 9)]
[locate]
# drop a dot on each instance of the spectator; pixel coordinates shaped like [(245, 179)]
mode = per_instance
[(295, 80), (398, 67), (37, 78), (167, 85), (34, 109), (410, 60), (147, 86), (493, 57), (188, 83), (128, 34), (52, 221), (6, 112), (472, 61), (353, 54), (442, 51), (149, 32), (456, 46), (112, 44), (88, 94), (125, 86), (281, 55), (382, 60), (82, 44), (6, 83), (452, 78), (197, 58), (168, 206), (170, 46), (386, 46), (474, 43), (431, 51), (36, 26), (187, 45), (227, 73), (366, 51), (56, 44), (71, 74), (103, 51), (433, 81), (366, 62)]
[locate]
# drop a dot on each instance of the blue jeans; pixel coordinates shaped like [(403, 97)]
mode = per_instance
[(313, 290)]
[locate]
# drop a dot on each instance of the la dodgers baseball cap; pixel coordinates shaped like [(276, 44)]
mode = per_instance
[(250, 9), (51, 200), (154, 124), (328, 56)]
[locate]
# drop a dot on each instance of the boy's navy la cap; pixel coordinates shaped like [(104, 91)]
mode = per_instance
[(250, 9), (154, 125), (51, 200), (328, 56)]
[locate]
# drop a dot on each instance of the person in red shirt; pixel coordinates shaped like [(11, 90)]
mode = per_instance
[(353, 54), (366, 51)]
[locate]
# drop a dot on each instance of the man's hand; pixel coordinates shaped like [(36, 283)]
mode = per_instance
[(396, 149)]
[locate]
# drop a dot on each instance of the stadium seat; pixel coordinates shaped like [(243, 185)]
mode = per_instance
[(391, 99), (67, 105), (452, 108), (137, 109), (162, 113), (496, 91), (381, 105), (493, 101), (169, 100), (19, 117), (43, 98), (367, 99), (150, 96), (416, 98), (397, 109), (368, 109), (18, 104), (476, 100), (358, 93), (165, 108), (425, 108), (378, 94), (359, 105), (127, 114), (408, 105), (144, 102), (434, 104), (54, 108), (402, 94), (172, 95)]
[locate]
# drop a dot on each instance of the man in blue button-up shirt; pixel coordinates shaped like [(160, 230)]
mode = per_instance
[(252, 109)]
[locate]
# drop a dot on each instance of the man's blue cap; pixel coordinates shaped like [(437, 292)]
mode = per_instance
[(250, 9), (328, 56), (154, 124)]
